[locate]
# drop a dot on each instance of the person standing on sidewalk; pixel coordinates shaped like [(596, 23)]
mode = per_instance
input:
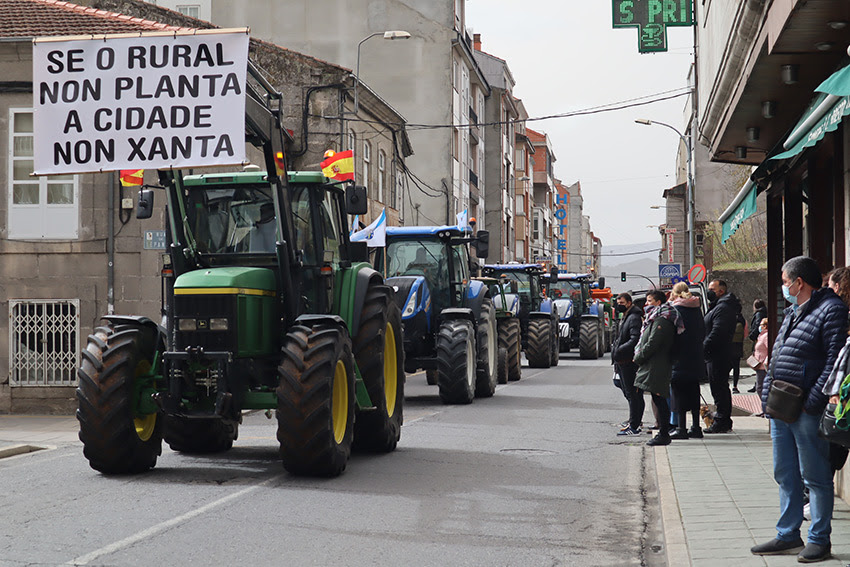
[(688, 365), (654, 359), (761, 352), (759, 313), (719, 328), (804, 353), (623, 354), (738, 349)]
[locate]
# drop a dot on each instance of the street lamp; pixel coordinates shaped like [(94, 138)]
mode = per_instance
[(687, 143), (392, 34), (656, 207)]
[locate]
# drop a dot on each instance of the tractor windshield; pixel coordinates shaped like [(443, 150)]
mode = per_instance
[(528, 287), (228, 220), (566, 289), (426, 258)]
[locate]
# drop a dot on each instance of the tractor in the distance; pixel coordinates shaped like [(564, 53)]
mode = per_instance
[(266, 306), (583, 318), (506, 303), (537, 314), (449, 320)]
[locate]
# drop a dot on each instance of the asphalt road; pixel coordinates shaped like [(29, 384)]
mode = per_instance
[(531, 477)]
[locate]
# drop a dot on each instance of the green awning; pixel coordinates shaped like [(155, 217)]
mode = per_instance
[(740, 210)]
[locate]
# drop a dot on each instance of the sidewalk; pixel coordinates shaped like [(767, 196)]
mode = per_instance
[(718, 497), (27, 433)]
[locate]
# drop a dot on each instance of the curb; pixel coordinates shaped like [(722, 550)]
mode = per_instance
[(674, 533), (20, 449)]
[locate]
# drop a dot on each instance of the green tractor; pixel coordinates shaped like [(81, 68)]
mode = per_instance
[(267, 306)]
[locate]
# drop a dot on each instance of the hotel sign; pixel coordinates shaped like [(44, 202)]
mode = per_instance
[(652, 18)]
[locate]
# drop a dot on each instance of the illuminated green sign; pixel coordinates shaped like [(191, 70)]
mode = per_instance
[(651, 18)]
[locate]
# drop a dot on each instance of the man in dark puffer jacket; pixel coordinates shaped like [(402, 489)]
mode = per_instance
[(719, 329), (623, 354), (812, 334)]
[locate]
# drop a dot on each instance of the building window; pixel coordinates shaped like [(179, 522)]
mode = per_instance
[(535, 230), (382, 178), (39, 207), (191, 10), (351, 140), (367, 166), (44, 342), (455, 144)]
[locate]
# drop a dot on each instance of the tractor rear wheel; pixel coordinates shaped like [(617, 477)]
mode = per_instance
[(456, 362), (539, 349), (200, 435), (588, 341), (509, 339), (503, 366), (315, 400), (556, 342), (487, 343), (379, 353), (116, 438)]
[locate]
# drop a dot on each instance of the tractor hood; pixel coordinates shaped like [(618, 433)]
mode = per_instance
[(228, 280), (565, 308), (512, 301)]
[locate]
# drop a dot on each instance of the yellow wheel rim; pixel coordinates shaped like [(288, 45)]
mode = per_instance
[(144, 424), (390, 370), (339, 403)]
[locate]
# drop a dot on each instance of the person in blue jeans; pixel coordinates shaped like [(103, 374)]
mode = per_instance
[(813, 331)]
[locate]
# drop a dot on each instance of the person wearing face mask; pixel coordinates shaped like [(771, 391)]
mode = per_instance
[(688, 365), (720, 324), (623, 354), (655, 361), (805, 350)]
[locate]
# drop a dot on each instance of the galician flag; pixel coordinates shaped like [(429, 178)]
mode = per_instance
[(375, 234), (354, 224), (339, 165), (131, 177), (463, 220)]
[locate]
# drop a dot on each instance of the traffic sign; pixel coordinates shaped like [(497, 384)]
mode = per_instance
[(697, 273)]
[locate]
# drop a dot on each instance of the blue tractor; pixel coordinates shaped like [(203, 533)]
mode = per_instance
[(448, 319), (582, 322), (538, 316)]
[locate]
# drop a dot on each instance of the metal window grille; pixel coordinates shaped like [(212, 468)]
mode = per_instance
[(45, 342)]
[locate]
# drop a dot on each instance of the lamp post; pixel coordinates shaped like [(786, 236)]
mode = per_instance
[(687, 142), (393, 34)]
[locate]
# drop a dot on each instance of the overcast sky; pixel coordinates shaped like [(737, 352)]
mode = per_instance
[(565, 56)]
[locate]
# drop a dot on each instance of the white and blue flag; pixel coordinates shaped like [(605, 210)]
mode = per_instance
[(375, 234), (463, 220), (354, 224)]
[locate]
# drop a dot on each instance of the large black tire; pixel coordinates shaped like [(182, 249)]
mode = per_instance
[(509, 339), (456, 362), (431, 376), (315, 411), (539, 347), (379, 353), (487, 340), (503, 366), (115, 440), (556, 343), (588, 341), (200, 435)]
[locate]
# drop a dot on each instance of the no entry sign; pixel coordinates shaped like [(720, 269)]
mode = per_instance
[(697, 273)]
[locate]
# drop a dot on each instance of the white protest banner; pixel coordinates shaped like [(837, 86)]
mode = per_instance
[(143, 101)]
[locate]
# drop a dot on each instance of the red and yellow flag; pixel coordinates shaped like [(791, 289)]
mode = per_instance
[(339, 166), (131, 177)]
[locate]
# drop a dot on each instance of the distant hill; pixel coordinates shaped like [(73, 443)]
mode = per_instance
[(628, 258)]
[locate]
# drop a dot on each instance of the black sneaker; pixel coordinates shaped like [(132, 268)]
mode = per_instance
[(660, 439), (695, 432), (718, 427), (679, 433), (813, 553), (777, 547), (629, 431)]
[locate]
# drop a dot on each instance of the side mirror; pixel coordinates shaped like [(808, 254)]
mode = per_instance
[(601, 283), (144, 209), (359, 251), (356, 202), (553, 272), (482, 244)]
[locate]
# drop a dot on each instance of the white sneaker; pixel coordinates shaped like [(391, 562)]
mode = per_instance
[(807, 514)]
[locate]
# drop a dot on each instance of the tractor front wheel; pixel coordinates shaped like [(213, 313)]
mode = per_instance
[(116, 438), (486, 369), (379, 353), (588, 339), (315, 400), (456, 362), (503, 366), (539, 349), (556, 343), (509, 339)]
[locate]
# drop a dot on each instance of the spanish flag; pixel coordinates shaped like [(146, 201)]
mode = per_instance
[(131, 177), (339, 166)]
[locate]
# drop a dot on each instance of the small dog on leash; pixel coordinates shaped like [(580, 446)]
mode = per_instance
[(707, 415)]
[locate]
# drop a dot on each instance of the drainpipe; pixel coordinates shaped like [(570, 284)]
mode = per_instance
[(110, 246)]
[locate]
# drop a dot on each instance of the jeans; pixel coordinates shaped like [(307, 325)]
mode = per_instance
[(800, 456), (718, 378)]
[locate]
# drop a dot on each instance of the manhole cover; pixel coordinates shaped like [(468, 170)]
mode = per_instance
[(528, 451)]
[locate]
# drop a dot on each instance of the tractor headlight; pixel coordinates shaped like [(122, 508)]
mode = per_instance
[(187, 325), (410, 307), (218, 324)]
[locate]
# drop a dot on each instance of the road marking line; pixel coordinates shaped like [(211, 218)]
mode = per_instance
[(153, 530)]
